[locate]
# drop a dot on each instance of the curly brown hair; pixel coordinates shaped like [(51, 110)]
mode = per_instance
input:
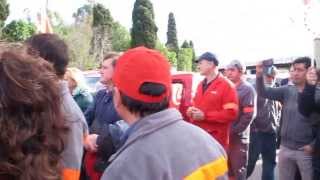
[(32, 129)]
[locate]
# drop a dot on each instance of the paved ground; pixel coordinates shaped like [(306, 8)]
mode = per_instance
[(256, 175)]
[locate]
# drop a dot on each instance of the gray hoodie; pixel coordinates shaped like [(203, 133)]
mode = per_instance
[(296, 131), (165, 147)]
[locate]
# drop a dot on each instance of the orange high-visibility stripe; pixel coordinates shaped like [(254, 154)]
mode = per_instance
[(210, 171), (70, 174), (230, 106), (248, 109)]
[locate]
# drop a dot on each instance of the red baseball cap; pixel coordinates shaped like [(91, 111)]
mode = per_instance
[(140, 65)]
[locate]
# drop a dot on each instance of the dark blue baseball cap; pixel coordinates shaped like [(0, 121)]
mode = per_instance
[(209, 57)]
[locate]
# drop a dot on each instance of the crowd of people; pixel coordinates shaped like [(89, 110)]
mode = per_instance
[(51, 127)]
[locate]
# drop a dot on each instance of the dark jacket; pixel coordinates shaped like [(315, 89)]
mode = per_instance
[(307, 100), (100, 115), (268, 116), (101, 112), (296, 131), (83, 98), (309, 106)]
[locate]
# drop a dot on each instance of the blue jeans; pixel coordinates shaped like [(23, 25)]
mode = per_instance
[(316, 167), (264, 144)]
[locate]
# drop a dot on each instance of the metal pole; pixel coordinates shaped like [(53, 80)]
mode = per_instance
[(316, 51)]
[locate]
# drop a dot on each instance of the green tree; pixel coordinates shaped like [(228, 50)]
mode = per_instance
[(172, 56), (194, 65), (120, 37), (58, 25), (185, 44), (144, 29), (83, 14), (78, 40), (185, 59), (102, 28), (18, 31), (4, 12), (172, 40), (78, 37)]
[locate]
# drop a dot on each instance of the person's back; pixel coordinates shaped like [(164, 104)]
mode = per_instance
[(72, 156), (54, 50), (167, 147)]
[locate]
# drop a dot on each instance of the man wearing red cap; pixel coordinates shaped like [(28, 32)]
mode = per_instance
[(159, 144), (215, 102)]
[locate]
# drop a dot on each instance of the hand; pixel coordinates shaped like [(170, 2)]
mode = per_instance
[(189, 111), (308, 149), (311, 76), (90, 142), (259, 70), (197, 114)]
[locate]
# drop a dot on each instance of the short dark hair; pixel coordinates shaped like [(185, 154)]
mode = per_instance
[(112, 55), (143, 108), (303, 60), (51, 48)]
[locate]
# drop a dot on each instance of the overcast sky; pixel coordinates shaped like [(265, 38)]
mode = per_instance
[(248, 29)]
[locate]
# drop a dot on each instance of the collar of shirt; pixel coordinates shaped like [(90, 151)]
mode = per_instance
[(206, 84), (127, 133)]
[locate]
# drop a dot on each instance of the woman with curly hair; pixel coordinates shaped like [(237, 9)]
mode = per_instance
[(32, 127)]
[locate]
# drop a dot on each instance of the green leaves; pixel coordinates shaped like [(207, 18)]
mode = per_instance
[(144, 29), (172, 40), (101, 16), (18, 31), (4, 12)]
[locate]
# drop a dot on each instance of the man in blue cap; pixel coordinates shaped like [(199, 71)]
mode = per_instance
[(216, 102)]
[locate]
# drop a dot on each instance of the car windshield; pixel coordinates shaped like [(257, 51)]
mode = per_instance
[(92, 81)]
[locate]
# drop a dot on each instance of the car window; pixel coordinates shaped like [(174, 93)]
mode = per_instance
[(177, 89), (92, 81)]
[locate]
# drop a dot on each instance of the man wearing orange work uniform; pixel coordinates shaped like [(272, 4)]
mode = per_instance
[(216, 102)]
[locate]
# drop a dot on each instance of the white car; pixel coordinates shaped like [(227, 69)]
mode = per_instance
[(92, 80)]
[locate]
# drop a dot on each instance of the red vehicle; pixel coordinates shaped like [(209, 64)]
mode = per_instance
[(184, 86)]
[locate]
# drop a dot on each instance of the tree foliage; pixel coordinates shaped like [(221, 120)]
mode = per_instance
[(58, 25), (194, 65), (101, 16), (78, 40), (172, 40), (144, 29), (4, 12), (101, 42), (185, 44), (171, 56), (185, 59), (18, 31), (120, 37), (83, 14)]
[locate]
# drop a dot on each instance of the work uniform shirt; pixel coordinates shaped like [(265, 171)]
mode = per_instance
[(219, 103)]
